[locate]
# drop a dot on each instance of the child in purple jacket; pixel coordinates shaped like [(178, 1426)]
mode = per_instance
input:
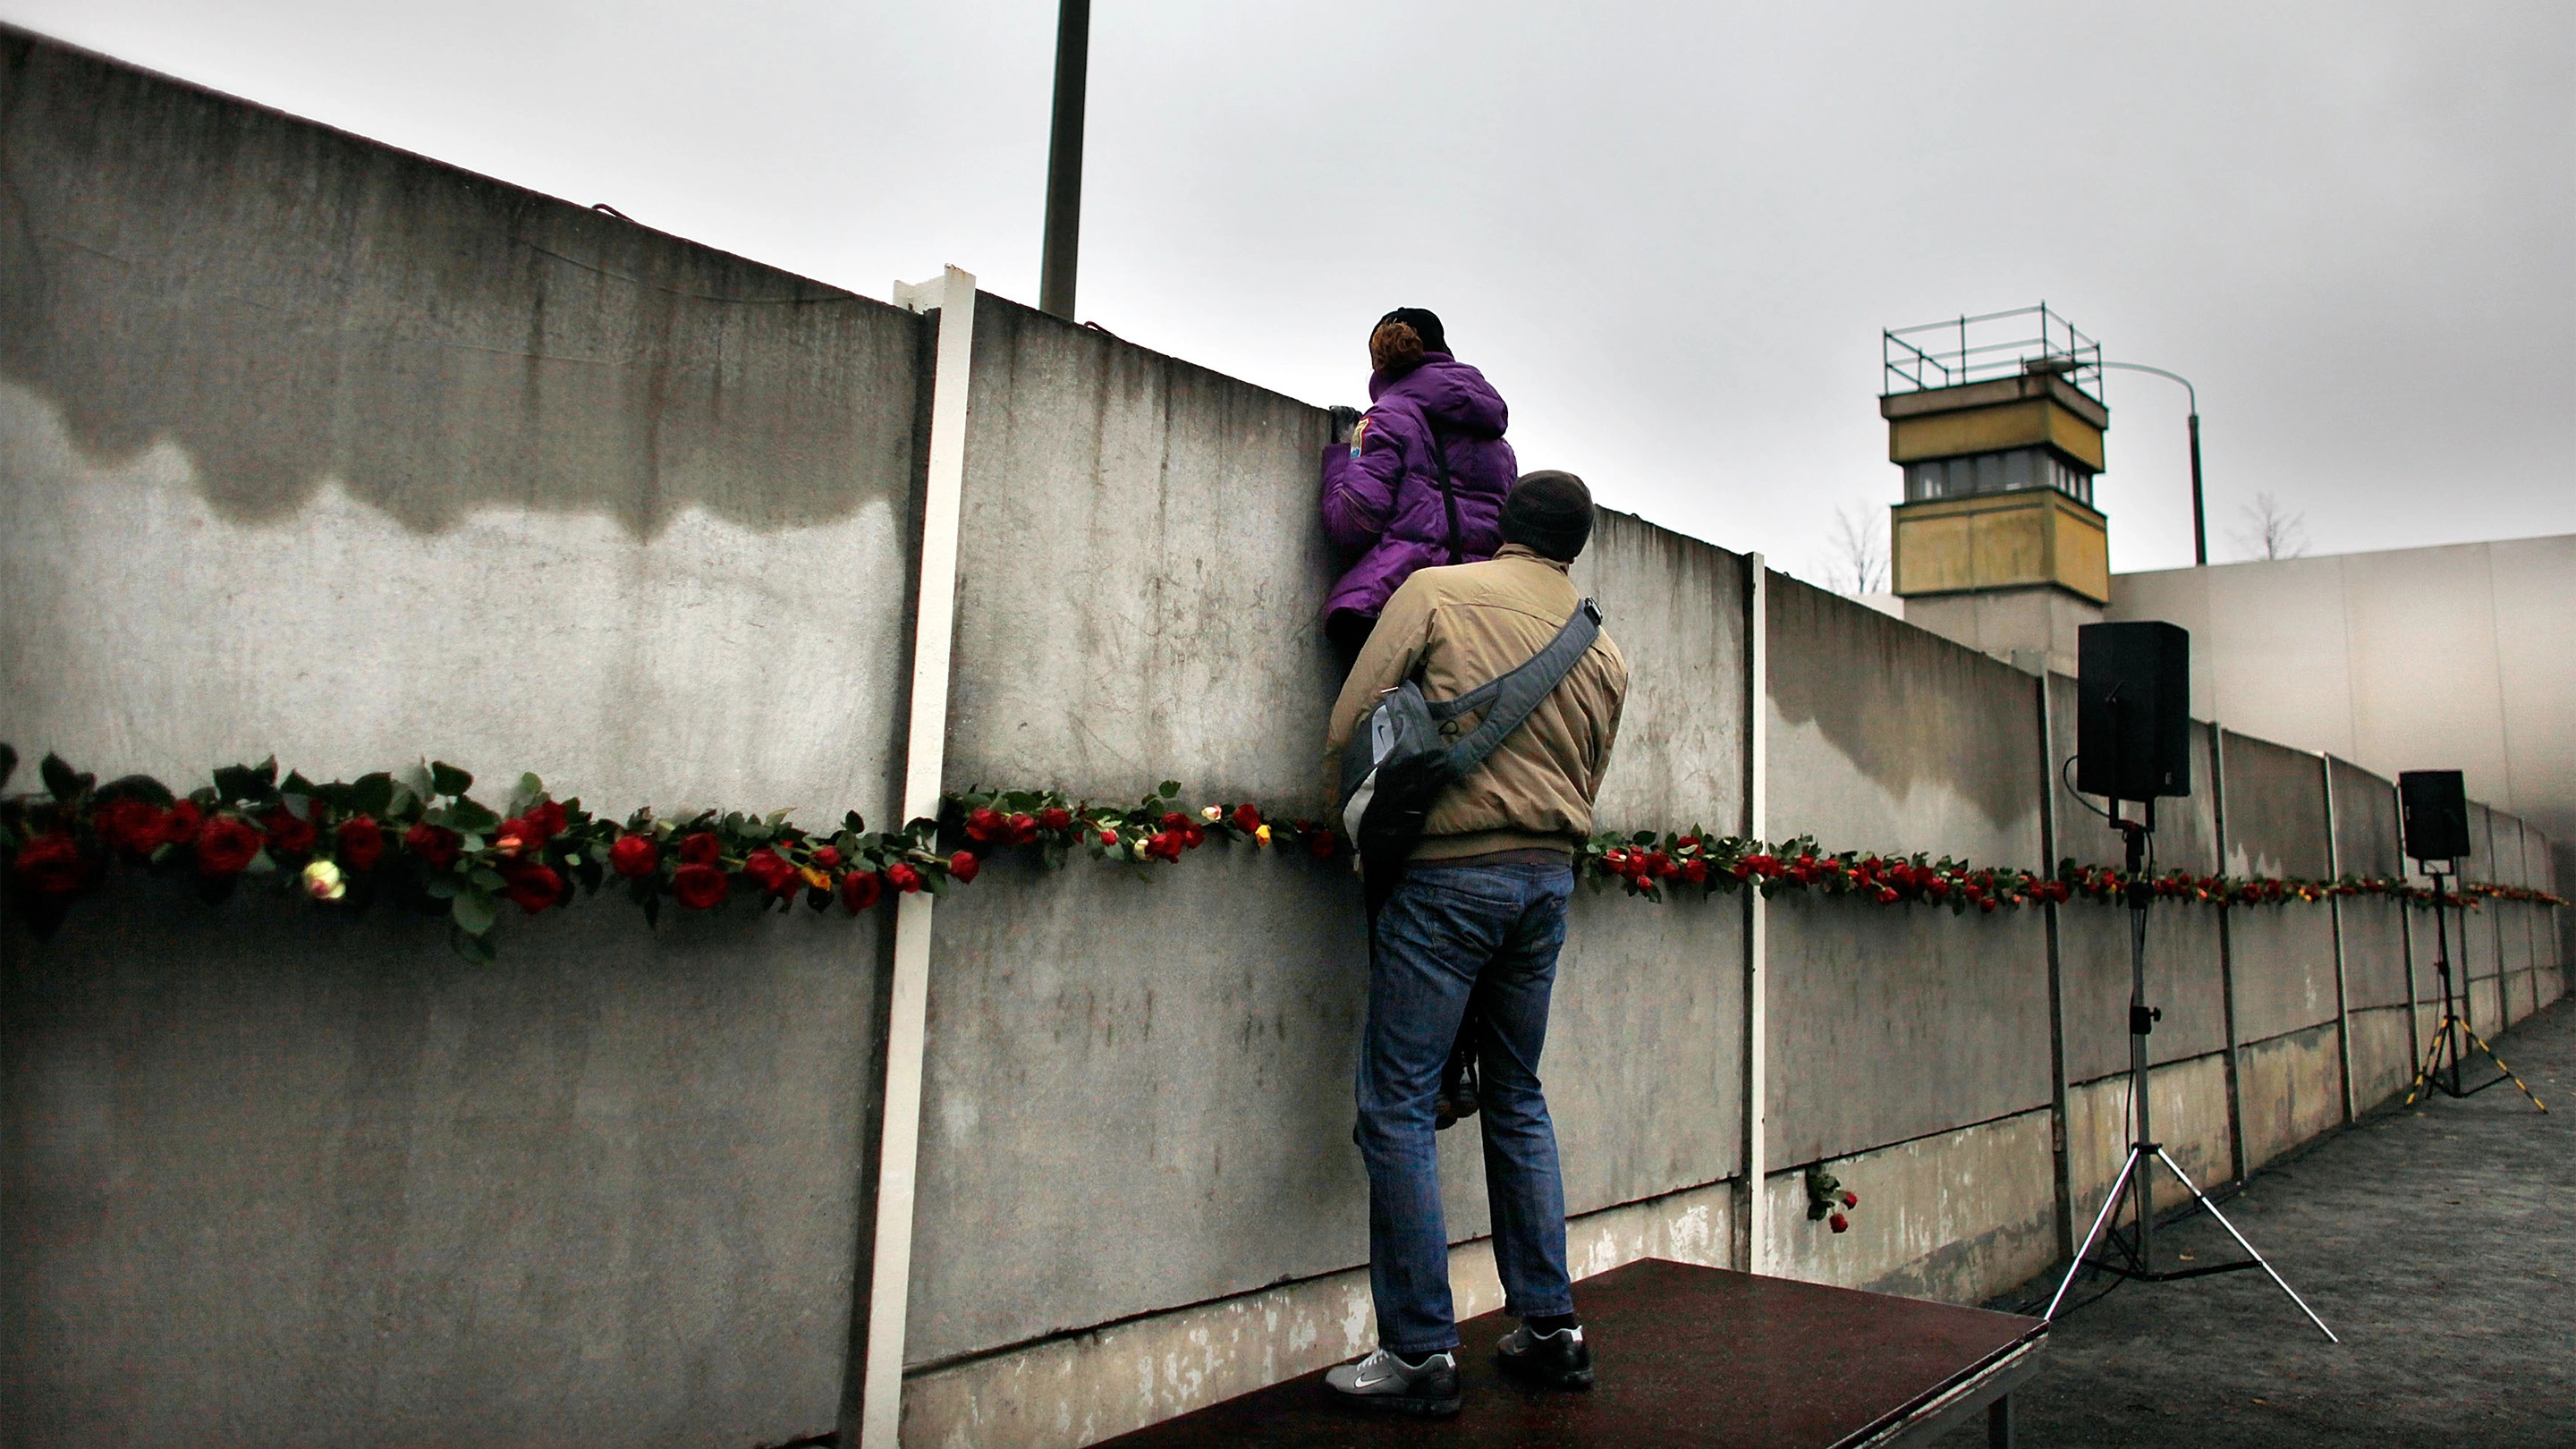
[(1421, 478), (1420, 481)]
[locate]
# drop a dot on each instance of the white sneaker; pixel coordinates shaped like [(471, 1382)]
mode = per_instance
[(1383, 1381)]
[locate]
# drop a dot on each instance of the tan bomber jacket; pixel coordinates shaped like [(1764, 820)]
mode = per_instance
[(1462, 626)]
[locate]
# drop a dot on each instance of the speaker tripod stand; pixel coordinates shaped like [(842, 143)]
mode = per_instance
[(2135, 1251), (2445, 1046)]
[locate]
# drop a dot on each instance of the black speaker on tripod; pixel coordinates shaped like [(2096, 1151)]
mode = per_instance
[(2435, 804), (2133, 710)]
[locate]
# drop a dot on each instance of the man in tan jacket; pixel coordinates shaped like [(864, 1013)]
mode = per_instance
[(1480, 912)]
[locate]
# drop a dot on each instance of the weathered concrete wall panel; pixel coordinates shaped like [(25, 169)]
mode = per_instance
[(2291, 1089), (272, 1178), (311, 446), (1958, 1216), (2190, 1119), (2384, 1055), (1888, 1025), (2183, 981)]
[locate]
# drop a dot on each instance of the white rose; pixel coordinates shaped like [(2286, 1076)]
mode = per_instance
[(322, 881)]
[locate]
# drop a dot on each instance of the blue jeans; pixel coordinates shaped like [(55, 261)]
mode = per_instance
[(1449, 931)]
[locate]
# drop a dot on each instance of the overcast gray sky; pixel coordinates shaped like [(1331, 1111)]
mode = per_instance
[(1669, 233)]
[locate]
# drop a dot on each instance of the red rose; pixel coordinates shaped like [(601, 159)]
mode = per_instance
[(179, 827), (1695, 870), (1743, 868), (1886, 895), (1936, 887), (1659, 865), (963, 865), (1838, 1223), (903, 877), (827, 857), (1109, 838), (132, 826), (985, 823), (635, 855), (1164, 845), (1173, 820), (225, 845), (861, 889), (1986, 905), (1055, 818), (288, 832), (1246, 819), (700, 847), (1851, 1199), (361, 842), (436, 845), (699, 886), (1321, 845), (53, 864), (533, 886), (542, 824), (771, 870), (1192, 837), (1024, 830)]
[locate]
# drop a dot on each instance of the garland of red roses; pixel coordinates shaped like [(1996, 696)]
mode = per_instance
[(418, 838)]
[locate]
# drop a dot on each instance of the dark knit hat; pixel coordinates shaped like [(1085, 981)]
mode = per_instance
[(1551, 513), (1425, 324)]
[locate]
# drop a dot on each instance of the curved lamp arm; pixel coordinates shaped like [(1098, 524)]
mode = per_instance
[(2199, 519)]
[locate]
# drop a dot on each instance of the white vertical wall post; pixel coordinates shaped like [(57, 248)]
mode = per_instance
[(1757, 656), (952, 295)]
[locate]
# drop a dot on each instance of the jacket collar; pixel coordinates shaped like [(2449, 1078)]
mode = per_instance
[(1522, 550)]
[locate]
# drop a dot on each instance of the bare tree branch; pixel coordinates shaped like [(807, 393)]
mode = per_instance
[(2271, 532), (1854, 558)]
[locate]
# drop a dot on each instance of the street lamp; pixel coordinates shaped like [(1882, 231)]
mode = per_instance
[(2199, 521), (1064, 160)]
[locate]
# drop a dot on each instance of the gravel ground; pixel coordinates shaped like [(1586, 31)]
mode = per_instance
[(2438, 1241)]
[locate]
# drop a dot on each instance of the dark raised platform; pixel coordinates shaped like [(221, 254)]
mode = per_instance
[(1688, 1356)]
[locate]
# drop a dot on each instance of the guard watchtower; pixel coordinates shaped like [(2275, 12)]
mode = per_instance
[(1997, 421)]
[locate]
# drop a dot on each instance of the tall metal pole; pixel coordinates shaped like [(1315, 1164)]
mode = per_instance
[(1064, 160), (2199, 518)]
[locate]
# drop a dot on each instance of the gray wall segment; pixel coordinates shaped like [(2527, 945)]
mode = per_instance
[(605, 481), (1888, 737), (2276, 810), (2367, 829), (2182, 981), (1140, 572), (1889, 1024), (1676, 607), (2374, 952), (280, 1178)]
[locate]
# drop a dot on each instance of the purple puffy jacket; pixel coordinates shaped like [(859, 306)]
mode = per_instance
[(1382, 492)]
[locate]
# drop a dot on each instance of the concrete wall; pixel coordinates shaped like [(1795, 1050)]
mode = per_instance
[(2460, 657), (311, 446)]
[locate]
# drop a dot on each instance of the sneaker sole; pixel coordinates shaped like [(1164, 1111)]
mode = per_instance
[(1400, 1404)]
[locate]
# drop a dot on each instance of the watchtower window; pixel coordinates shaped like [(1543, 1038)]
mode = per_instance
[(2005, 472)]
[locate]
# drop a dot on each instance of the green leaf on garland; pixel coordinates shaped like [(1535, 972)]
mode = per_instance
[(526, 793), (138, 787), (473, 946), (446, 779), (474, 912), (261, 864), (296, 784), (487, 879), (652, 909), (472, 817), (372, 795), (240, 782), (440, 887), (63, 782), (1169, 789)]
